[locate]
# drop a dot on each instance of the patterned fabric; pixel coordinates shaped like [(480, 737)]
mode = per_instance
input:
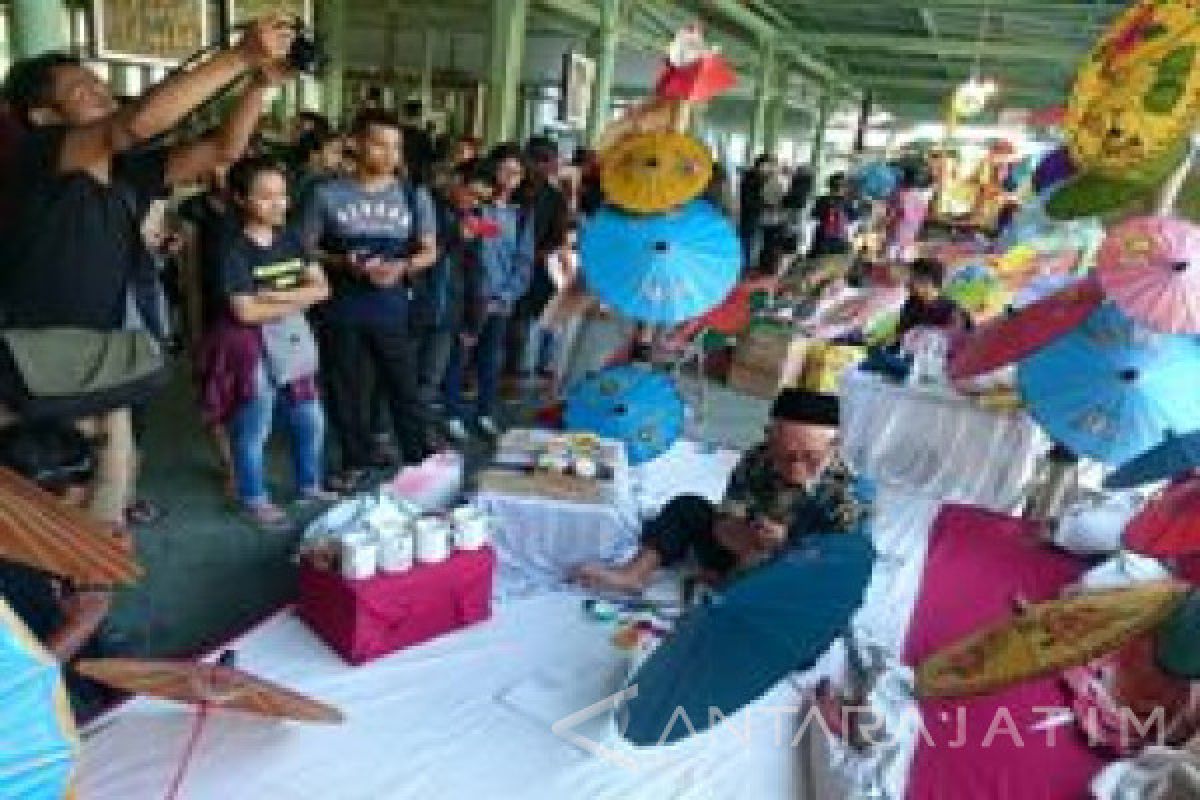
[(837, 501)]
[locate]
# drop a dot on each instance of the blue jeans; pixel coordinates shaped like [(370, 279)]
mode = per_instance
[(489, 360), (250, 427)]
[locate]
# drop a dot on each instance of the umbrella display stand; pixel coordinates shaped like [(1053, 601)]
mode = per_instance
[(1174, 186), (1056, 479)]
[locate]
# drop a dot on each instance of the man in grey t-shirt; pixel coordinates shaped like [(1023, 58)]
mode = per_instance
[(373, 232)]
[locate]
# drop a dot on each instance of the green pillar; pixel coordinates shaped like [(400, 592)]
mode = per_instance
[(506, 55), (331, 25), (605, 53), (38, 26), (126, 80), (825, 111), (429, 40), (763, 91), (773, 126)]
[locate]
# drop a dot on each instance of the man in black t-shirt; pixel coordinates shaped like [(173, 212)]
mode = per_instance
[(83, 180)]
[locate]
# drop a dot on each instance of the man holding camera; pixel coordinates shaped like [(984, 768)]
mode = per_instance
[(84, 175)]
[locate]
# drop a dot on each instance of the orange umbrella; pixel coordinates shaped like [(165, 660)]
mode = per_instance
[(39, 530), (1045, 638), (211, 685), (697, 82), (206, 686)]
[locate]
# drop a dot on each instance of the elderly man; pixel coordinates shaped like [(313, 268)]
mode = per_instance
[(791, 485)]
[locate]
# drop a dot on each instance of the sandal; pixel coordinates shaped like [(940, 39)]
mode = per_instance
[(310, 498), (267, 515), (143, 512), (348, 481)]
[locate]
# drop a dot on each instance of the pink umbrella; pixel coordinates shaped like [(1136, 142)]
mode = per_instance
[(1150, 267)]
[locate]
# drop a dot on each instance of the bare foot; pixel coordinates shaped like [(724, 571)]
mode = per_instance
[(602, 578)]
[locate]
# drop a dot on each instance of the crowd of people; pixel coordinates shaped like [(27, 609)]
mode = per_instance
[(374, 287)]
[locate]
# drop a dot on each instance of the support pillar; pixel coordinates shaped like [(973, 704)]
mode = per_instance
[(506, 55), (608, 38), (38, 26), (331, 27), (426, 92), (774, 122), (763, 91), (817, 162)]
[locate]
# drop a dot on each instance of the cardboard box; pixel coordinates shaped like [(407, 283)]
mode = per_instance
[(364, 620), (766, 358)]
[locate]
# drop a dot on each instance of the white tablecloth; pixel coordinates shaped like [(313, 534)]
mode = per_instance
[(470, 715), (937, 443), (539, 540)]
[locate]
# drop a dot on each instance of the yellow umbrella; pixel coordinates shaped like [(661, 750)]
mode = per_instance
[(655, 171), (1046, 638), (1137, 96)]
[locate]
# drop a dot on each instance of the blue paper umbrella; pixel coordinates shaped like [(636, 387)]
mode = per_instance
[(1174, 456), (1110, 389), (37, 734), (631, 404), (730, 651), (877, 181), (662, 268)]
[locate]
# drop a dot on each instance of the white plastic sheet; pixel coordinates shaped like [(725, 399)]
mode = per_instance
[(934, 442)]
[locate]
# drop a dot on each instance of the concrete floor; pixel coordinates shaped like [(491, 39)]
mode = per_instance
[(209, 574)]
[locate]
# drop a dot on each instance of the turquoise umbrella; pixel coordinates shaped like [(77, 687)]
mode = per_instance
[(731, 650), (1178, 642), (1175, 455), (38, 743), (877, 181), (631, 404), (1110, 389), (661, 268)]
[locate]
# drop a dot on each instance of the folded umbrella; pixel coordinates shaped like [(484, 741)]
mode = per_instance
[(1045, 638), (730, 651), (1019, 334), (1169, 525), (656, 171), (1110, 388), (665, 268), (38, 743), (631, 404), (1176, 455), (39, 530), (1150, 267)]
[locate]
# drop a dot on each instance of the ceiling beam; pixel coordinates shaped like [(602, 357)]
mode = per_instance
[(993, 6), (1044, 51)]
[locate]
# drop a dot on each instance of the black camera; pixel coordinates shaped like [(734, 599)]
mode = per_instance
[(306, 54)]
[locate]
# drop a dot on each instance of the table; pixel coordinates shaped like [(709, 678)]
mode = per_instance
[(933, 441), (540, 540), (472, 714), (466, 716)]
